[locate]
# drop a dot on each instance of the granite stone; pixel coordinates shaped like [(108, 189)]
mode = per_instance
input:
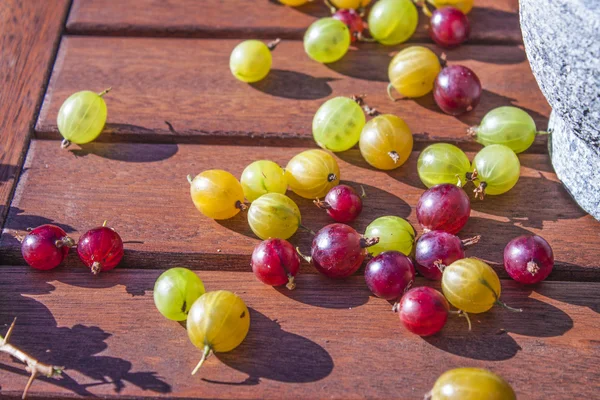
[(562, 42)]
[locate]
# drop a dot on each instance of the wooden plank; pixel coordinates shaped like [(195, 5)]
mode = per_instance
[(188, 84), (29, 33), (142, 191), (307, 343), (491, 20)]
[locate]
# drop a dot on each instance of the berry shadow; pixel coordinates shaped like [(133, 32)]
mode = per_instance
[(270, 352), (490, 338), (315, 289), (516, 204), (76, 348), (353, 63), (128, 152), (7, 172), (294, 85), (583, 293)]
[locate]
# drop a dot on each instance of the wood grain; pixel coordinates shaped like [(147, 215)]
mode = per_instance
[(492, 21), (187, 83), (307, 343), (142, 191), (29, 33)]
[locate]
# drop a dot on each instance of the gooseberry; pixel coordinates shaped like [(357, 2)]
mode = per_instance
[(275, 263), (412, 72), (386, 142), (100, 249), (217, 322), (338, 251), (444, 207), (472, 286), (327, 40), (449, 27), (457, 90), (312, 173), (353, 21), (435, 247), (217, 194), (274, 215), (338, 123), (393, 21), (353, 4), (82, 117), (294, 3), (528, 259), (496, 170), (389, 275), (443, 163), (506, 125), (175, 291), (46, 246), (394, 233), (423, 311), (251, 60), (262, 177), (470, 384), (342, 203)]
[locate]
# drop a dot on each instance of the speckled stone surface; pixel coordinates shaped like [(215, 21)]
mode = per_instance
[(562, 42), (577, 165)]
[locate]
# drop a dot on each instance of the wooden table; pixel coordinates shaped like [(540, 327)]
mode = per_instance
[(175, 109)]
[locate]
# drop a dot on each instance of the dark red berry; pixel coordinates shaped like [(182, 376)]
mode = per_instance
[(528, 259), (444, 207), (45, 247), (352, 19), (423, 311), (342, 203), (449, 27), (275, 263), (100, 249), (338, 250), (389, 275), (457, 90), (436, 248)]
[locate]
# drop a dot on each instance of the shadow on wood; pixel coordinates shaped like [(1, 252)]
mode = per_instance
[(75, 348), (128, 152), (270, 352), (294, 85), (319, 288)]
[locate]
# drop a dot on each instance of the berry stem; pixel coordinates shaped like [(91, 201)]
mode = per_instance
[(64, 144), (102, 93), (368, 242), (439, 265), (272, 45), (471, 241), (34, 367), (96, 267), (500, 303), (190, 178), (306, 258), (462, 314), (241, 206), (542, 132), (472, 131), (205, 355), (331, 177), (291, 285), (363, 194), (65, 242), (307, 229), (428, 396), (394, 156), (330, 6), (360, 100), (390, 95), (396, 306), (322, 204), (532, 267), (480, 191), (362, 38)]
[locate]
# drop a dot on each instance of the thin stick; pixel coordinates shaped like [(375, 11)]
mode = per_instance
[(33, 365), (102, 93)]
